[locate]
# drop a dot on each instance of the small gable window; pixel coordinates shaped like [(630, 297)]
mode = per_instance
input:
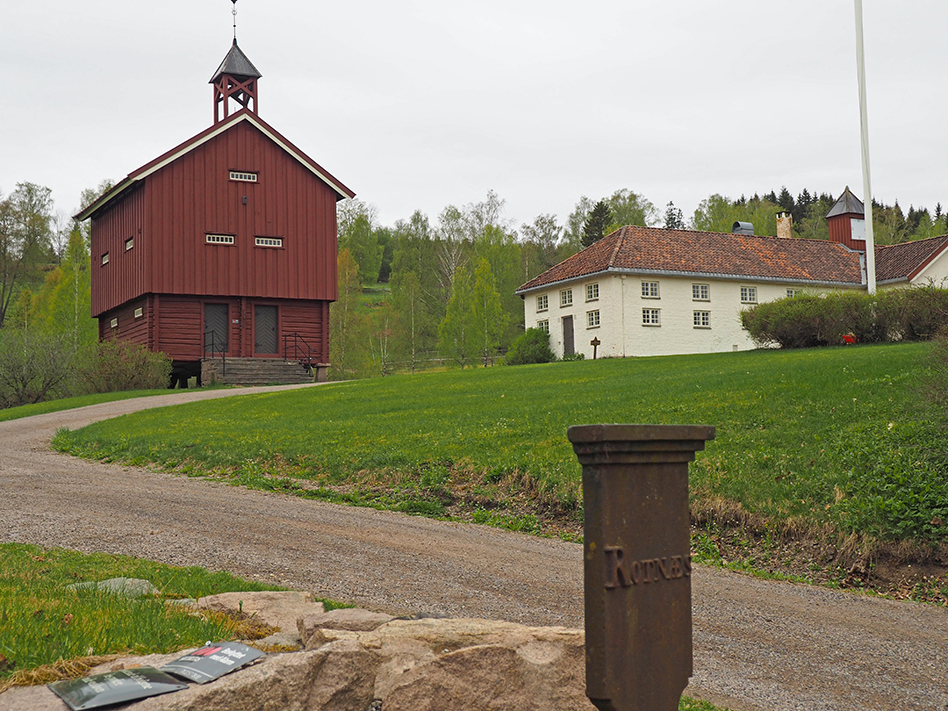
[(268, 242), (105, 259), (219, 239), (243, 177), (129, 243)]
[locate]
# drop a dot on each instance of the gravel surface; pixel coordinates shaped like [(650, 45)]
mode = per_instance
[(759, 645)]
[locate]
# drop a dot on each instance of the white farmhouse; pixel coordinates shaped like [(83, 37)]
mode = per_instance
[(644, 291)]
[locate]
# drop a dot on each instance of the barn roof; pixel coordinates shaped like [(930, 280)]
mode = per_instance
[(651, 250), (200, 139)]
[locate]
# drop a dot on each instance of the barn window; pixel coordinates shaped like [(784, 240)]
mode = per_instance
[(114, 323), (243, 177), (139, 312), (129, 243), (105, 258), (219, 239), (268, 241)]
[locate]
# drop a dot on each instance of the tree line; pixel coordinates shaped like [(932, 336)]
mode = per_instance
[(411, 294)]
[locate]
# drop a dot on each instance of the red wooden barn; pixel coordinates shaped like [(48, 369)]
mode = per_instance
[(224, 248)]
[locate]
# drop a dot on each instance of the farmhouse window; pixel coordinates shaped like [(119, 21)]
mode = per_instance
[(792, 292), (651, 317), (592, 292), (592, 319), (702, 319), (219, 239), (700, 292), (243, 177), (129, 243), (650, 290), (268, 241), (748, 294), (543, 303), (566, 297), (544, 325)]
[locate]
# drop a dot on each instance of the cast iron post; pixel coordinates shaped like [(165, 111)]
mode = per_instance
[(637, 562)]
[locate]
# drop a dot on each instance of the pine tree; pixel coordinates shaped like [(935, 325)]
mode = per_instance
[(674, 220), (594, 228)]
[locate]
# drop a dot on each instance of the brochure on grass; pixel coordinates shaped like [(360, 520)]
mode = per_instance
[(116, 687), (212, 661)]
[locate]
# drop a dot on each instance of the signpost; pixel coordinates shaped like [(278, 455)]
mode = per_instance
[(637, 562)]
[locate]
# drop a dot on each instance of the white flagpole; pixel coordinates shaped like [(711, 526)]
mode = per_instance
[(864, 134)]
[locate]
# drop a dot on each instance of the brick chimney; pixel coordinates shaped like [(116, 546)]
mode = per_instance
[(784, 225)]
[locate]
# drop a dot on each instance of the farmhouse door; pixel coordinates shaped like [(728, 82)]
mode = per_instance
[(265, 330), (567, 335), (216, 328)]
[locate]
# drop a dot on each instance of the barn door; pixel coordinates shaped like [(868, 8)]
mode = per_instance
[(216, 327), (265, 330), (567, 335)]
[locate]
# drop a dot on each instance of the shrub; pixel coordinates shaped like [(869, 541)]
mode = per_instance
[(32, 365), (532, 346), (122, 365), (811, 320)]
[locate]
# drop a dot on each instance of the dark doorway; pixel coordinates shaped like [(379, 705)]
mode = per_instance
[(567, 335), (216, 328), (265, 330)]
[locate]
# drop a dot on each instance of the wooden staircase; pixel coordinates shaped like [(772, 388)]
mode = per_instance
[(254, 371)]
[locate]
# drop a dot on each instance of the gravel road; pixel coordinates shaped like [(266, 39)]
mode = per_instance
[(759, 645)]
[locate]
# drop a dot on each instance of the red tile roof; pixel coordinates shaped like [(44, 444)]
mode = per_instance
[(710, 254), (906, 260)]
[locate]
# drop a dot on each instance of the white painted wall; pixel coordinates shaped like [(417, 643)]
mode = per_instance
[(620, 303)]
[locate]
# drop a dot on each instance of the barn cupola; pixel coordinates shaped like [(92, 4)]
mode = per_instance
[(846, 221), (235, 84)]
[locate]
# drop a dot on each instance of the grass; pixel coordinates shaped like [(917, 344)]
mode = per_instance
[(46, 624), (800, 436), (68, 403)]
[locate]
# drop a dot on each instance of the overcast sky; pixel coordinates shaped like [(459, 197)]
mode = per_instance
[(424, 103)]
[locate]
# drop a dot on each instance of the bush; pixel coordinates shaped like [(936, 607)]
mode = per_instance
[(122, 365), (33, 365), (532, 346), (811, 320)]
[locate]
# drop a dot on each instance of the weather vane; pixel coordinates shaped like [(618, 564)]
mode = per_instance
[(234, 13)]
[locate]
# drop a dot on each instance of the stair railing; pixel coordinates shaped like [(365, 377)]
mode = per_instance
[(214, 349), (299, 347)]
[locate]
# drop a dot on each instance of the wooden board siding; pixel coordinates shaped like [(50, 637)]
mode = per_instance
[(123, 277), (311, 321), (180, 328), (194, 196), (130, 327)]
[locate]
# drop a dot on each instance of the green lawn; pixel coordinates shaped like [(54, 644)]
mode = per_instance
[(822, 436)]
